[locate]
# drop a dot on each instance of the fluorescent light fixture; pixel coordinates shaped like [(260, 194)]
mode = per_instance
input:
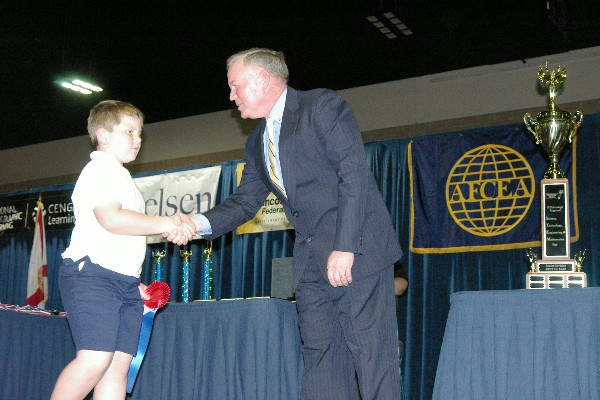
[(380, 25), (80, 86), (86, 85), (75, 88)]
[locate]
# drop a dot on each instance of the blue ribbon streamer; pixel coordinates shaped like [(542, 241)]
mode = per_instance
[(145, 331)]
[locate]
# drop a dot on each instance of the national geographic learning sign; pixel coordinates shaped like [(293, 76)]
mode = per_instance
[(17, 214), (476, 190)]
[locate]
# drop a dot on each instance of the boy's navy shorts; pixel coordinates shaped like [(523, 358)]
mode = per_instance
[(104, 308)]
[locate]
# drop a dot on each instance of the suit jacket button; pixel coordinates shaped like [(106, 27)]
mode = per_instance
[(296, 213), (308, 240)]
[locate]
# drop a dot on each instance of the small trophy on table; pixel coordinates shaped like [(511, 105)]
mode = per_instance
[(206, 286), (552, 129), (158, 272), (185, 284)]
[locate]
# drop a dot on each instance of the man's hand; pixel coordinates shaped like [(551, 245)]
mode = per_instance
[(339, 268), (187, 225)]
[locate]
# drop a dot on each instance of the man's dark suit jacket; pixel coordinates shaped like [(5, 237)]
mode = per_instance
[(332, 198)]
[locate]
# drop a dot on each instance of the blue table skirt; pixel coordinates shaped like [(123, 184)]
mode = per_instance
[(33, 351), (521, 344), (230, 349)]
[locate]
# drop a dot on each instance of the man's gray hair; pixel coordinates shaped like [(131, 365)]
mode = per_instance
[(271, 60)]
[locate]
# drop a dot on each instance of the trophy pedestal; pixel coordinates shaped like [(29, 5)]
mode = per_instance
[(556, 274), (556, 269), (555, 219), (556, 280)]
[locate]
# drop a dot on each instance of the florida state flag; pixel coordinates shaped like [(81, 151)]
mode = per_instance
[(37, 281)]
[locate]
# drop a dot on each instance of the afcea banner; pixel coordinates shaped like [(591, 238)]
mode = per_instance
[(479, 190)]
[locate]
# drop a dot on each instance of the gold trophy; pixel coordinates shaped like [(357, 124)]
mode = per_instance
[(158, 272), (552, 129)]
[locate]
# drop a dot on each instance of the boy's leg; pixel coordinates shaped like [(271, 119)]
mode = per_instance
[(81, 375), (113, 384)]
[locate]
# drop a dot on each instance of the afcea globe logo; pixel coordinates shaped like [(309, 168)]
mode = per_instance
[(489, 190)]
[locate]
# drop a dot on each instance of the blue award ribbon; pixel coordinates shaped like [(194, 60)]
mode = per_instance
[(145, 331), (159, 293)]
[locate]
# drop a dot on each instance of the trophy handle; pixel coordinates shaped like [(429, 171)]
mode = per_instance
[(578, 118), (576, 121), (530, 125)]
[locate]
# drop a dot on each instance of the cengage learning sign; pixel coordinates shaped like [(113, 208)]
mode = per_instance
[(17, 214)]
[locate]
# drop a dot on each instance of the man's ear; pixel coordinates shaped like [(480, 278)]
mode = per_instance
[(265, 78)]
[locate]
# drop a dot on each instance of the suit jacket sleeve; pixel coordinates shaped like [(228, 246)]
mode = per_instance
[(341, 139), (247, 198)]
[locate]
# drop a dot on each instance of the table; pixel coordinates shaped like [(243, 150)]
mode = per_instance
[(33, 351), (228, 349), (521, 344)]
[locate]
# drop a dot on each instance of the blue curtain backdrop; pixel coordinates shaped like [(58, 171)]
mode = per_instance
[(242, 264)]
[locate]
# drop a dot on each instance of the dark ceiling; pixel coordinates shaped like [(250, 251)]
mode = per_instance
[(168, 57)]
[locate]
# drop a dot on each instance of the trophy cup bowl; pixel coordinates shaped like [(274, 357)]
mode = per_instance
[(552, 129)]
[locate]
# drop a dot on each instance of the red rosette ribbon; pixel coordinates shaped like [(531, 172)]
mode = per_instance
[(159, 293)]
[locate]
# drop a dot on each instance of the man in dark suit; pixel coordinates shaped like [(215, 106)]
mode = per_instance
[(307, 149)]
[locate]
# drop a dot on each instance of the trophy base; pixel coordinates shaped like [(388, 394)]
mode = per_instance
[(556, 280), (551, 266)]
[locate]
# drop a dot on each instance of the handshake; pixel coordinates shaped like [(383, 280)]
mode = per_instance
[(183, 229)]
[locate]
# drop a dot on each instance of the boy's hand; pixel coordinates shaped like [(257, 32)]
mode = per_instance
[(186, 225), (143, 294)]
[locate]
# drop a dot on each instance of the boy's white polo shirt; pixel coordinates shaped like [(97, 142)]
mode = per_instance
[(104, 180)]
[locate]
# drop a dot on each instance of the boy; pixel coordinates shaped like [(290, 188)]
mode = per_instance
[(99, 277)]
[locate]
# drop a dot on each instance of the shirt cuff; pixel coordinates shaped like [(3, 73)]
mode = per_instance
[(205, 224)]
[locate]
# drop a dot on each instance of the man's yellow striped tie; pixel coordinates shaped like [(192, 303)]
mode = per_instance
[(272, 168)]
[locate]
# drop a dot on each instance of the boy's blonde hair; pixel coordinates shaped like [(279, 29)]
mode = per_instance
[(109, 113)]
